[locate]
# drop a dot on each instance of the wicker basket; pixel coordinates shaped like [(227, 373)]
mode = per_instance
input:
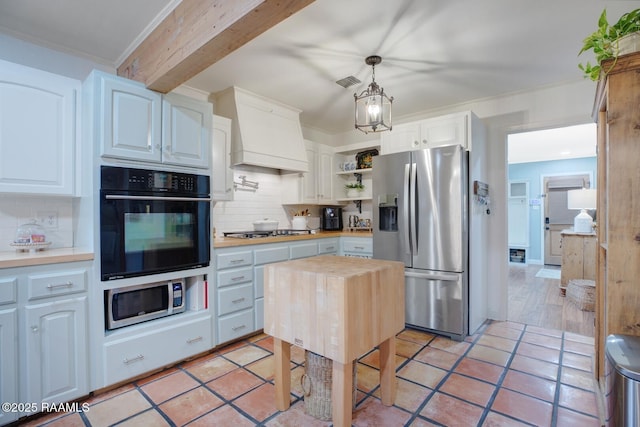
[(316, 384), (582, 293)]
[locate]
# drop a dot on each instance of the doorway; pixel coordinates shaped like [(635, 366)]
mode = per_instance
[(557, 216)]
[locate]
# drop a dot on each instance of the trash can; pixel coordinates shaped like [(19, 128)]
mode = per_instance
[(622, 381)]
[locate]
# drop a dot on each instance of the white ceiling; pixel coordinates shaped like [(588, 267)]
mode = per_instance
[(435, 52), (553, 144)]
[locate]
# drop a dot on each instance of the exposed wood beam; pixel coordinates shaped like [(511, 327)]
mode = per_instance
[(199, 33)]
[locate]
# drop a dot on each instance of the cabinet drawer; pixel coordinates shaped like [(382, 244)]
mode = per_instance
[(142, 353), (235, 298), (235, 277), (269, 255), (8, 290), (358, 245), (234, 259), (328, 247), (54, 284), (303, 250), (235, 325)]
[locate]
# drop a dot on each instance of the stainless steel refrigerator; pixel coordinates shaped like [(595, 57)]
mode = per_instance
[(420, 217)]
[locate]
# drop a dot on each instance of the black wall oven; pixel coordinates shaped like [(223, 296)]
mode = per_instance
[(152, 222)]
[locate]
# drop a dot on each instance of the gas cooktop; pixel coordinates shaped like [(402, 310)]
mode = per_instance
[(259, 234)]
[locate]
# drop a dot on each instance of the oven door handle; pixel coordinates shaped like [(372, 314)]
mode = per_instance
[(165, 199)]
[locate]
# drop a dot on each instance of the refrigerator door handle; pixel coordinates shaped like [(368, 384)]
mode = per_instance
[(405, 209), (434, 275), (414, 212)]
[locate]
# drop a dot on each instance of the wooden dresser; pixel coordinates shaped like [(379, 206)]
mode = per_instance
[(578, 256)]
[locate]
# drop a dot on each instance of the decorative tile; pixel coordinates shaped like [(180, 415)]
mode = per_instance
[(531, 385), (450, 411), (425, 375), (539, 352), (579, 347), (481, 370), (501, 330), (117, 408), (522, 407), (543, 331), (169, 386), (368, 378), (468, 389), (235, 383), (190, 405)]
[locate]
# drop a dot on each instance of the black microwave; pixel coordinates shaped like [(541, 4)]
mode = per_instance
[(135, 304)]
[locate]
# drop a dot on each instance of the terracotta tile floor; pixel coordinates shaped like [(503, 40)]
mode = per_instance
[(508, 374)]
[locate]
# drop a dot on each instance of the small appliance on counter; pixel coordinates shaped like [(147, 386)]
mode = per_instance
[(331, 219)]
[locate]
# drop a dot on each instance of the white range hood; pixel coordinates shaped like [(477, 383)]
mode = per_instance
[(265, 133)]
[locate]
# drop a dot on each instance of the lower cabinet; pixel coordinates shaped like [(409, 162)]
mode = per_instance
[(361, 247), (136, 354), (56, 350), (8, 361), (240, 281), (43, 335)]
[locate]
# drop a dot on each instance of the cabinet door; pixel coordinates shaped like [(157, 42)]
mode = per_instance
[(186, 131), (38, 129), (56, 351), (130, 120), (447, 130), (221, 172), (310, 179), (403, 137), (9, 362), (325, 174)]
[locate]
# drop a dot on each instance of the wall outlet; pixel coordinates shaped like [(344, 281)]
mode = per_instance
[(47, 219)]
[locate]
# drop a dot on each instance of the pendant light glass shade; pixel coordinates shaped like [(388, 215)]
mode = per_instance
[(373, 106)]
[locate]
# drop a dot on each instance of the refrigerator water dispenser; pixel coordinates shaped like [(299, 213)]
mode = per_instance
[(388, 209)]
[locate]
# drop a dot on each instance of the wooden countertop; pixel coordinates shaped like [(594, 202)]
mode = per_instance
[(228, 242), (48, 256)]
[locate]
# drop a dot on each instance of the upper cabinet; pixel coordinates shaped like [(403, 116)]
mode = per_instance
[(451, 129), (135, 123), (315, 186), (221, 172), (38, 129)]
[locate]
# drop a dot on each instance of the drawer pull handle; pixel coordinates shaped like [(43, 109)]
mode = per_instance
[(196, 339), (133, 359), (358, 247), (60, 285), (235, 261), (235, 301), (235, 279), (330, 248), (34, 329), (237, 328)]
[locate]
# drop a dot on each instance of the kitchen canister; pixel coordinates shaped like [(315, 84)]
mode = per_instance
[(299, 223)]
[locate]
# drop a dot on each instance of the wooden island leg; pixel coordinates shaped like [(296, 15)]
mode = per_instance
[(282, 376), (387, 350), (341, 394)]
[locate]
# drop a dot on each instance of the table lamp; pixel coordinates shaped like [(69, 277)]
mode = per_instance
[(582, 199)]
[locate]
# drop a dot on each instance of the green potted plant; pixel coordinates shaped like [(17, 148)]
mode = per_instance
[(353, 189), (607, 40)]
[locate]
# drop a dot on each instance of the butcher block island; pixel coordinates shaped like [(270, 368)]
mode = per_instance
[(340, 308)]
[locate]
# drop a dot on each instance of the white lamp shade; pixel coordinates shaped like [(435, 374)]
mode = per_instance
[(581, 199)]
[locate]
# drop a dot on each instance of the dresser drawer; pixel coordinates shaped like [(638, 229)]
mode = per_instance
[(235, 298), (235, 277), (8, 290), (233, 259), (235, 325), (142, 353), (54, 284)]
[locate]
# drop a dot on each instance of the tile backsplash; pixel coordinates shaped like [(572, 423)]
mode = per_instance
[(54, 214)]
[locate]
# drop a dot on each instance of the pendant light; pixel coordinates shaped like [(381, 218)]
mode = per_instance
[(373, 106)]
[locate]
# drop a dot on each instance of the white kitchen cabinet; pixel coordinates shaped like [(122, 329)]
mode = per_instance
[(8, 361), (44, 334), (56, 350), (361, 247), (135, 123), (38, 129), (328, 247), (451, 129), (221, 172), (316, 186)]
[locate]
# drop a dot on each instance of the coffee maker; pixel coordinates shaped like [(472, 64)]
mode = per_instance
[(331, 219)]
